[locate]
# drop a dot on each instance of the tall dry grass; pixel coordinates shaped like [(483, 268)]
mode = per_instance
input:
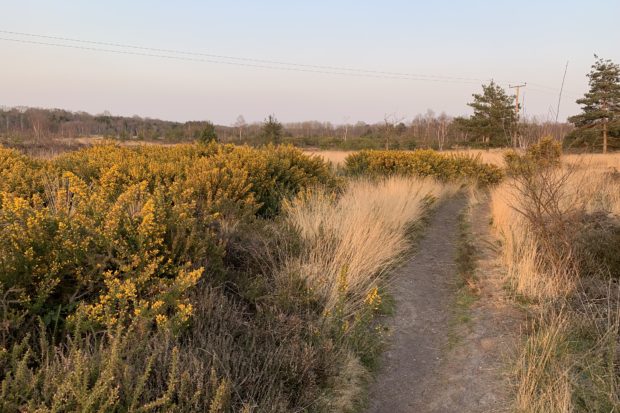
[(592, 161), (349, 243), (568, 360), (352, 240), (520, 250)]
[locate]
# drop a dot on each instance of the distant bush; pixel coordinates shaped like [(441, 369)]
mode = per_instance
[(422, 163), (545, 154)]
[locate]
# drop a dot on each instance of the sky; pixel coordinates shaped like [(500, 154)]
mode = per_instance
[(511, 42)]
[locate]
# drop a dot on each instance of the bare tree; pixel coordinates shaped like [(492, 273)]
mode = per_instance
[(240, 124), (346, 127), (442, 130), (389, 125)]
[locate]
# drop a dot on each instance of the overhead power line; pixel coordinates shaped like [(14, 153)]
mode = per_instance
[(66, 42), (416, 76), (192, 56), (250, 65)]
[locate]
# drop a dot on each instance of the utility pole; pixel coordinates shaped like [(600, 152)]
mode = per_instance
[(518, 87)]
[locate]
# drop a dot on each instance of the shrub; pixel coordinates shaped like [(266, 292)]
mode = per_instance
[(559, 237), (167, 279), (113, 232), (422, 163), (544, 198), (597, 246), (544, 155)]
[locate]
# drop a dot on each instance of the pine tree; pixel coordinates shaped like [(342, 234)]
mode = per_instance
[(272, 130), (494, 121), (208, 134), (600, 106)]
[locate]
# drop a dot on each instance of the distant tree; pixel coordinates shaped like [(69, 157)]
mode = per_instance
[(600, 115), (390, 128), (272, 130), (494, 121), (240, 124), (208, 133), (442, 130)]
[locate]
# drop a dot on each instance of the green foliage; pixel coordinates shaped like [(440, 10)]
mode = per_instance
[(208, 134), (494, 120), (545, 154), (272, 130), (422, 163), (589, 140), (600, 109), (598, 243)]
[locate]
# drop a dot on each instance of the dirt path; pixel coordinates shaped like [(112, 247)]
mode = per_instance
[(423, 370)]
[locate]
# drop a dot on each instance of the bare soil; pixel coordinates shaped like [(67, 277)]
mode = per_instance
[(424, 368)]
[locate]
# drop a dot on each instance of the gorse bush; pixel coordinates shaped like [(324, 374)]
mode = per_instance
[(544, 155), (103, 253), (128, 231), (422, 163)]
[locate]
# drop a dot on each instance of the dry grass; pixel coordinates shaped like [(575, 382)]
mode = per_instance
[(492, 156), (595, 160), (542, 376), (335, 157), (568, 360), (520, 252), (351, 241)]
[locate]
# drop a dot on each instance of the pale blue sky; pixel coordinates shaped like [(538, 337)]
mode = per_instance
[(528, 41)]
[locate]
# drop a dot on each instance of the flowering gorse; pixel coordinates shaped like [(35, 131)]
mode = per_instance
[(111, 234), (423, 163)]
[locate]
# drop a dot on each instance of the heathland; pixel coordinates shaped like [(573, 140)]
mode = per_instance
[(200, 277), (211, 277)]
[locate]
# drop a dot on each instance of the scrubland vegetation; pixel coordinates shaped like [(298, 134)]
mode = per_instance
[(559, 222), (194, 278), (223, 278), (444, 167), (212, 277)]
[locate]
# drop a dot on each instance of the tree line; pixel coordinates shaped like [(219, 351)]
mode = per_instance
[(428, 130)]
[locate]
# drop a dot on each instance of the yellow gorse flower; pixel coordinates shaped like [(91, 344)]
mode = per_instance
[(122, 228), (373, 299)]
